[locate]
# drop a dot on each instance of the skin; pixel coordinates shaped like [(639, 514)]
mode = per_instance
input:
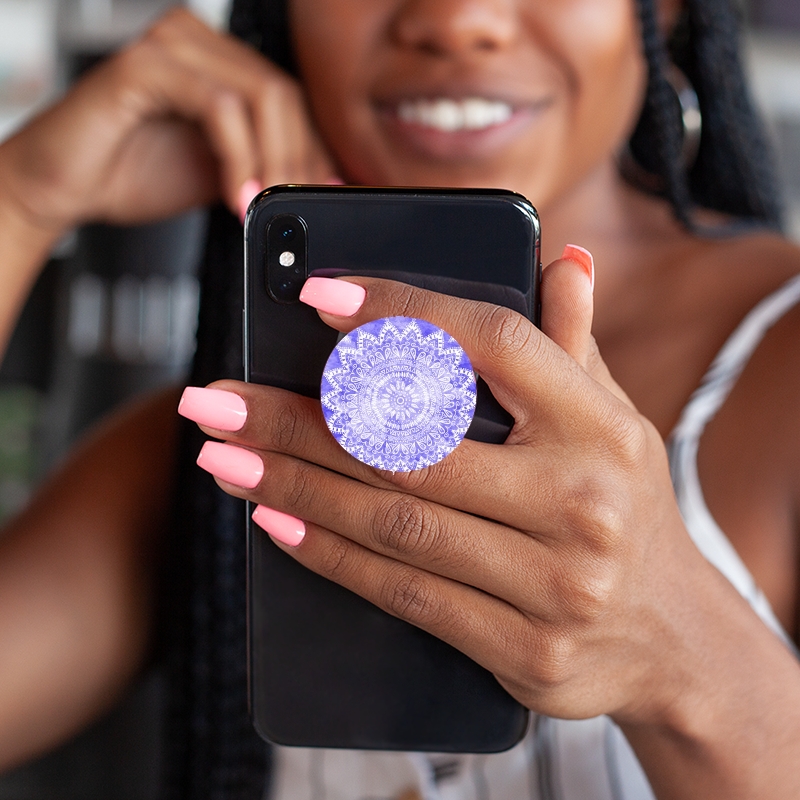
[(577, 585)]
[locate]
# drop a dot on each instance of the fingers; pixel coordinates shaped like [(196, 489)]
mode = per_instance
[(168, 87), (420, 533), (449, 610), (143, 109), (515, 485), (286, 147), (567, 302), (531, 377), (567, 311)]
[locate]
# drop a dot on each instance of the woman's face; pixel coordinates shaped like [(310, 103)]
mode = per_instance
[(531, 95)]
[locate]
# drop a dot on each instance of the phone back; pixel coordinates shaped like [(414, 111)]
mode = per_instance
[(327, 668)]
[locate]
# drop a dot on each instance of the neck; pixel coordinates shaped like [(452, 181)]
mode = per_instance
[(631, 235), (611, 219)]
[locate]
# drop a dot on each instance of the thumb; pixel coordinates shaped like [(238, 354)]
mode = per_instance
[(568, 303), (567, 310)]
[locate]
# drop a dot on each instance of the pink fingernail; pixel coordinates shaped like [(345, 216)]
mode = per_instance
[(283, 527), (334, 296), (232, 464), (216, 408), (580, 255), (250, 188), (334, 180)]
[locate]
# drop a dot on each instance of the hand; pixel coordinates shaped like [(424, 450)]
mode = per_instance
[(177, 119), (551, 559)]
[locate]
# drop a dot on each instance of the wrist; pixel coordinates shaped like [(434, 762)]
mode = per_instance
[(23, 235), (25, 244), (724, 719)]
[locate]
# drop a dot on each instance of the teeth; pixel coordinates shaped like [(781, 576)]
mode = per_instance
[(448, 115)]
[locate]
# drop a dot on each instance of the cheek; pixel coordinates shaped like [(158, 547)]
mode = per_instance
[(333, 40), (611, 72)]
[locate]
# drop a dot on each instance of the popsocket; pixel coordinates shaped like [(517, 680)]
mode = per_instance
[(398, 393)]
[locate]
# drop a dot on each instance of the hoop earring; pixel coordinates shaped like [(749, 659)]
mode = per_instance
[(691, 120)]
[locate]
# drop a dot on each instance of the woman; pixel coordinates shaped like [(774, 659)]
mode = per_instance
[(581, 583)]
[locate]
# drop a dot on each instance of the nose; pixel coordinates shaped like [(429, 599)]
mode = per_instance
[(451, 27)]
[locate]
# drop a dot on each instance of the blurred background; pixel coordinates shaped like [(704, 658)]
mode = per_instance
[(114, 314)]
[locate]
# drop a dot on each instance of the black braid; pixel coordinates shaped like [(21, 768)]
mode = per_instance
[(212, 751), (733, 172), (656, 142)]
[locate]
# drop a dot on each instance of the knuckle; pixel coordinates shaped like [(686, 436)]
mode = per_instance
[(288, 427), (274, 95), (412, 598), (300, 489), (406, 525), (588, 592), (405, 298), (131, 60), (224, 102), (627, 438), (594, 514), (551, 665), (167, 27), (334, 559), (506, 333)]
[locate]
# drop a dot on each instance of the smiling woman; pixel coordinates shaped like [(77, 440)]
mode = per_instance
[(504, 94), (624, 564)]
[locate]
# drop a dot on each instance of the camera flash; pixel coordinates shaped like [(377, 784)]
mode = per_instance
[(286, 258)]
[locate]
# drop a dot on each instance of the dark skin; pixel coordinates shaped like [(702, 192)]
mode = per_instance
[(580, 588)]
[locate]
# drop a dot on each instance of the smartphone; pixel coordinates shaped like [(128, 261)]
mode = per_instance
[(327, 668)]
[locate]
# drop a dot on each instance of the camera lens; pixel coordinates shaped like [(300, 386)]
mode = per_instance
[(286, 257)]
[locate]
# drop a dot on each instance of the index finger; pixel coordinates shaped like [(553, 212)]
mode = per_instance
[(521, 365)]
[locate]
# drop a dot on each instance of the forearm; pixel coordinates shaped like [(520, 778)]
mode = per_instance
[(77, 575), (733, 730)]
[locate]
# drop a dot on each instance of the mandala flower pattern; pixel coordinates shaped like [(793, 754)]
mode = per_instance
[(398, 393)]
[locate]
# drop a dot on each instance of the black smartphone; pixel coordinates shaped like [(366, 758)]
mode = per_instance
[(327, 668)]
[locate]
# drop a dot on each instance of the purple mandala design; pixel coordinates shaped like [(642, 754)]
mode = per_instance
[(398, 393)]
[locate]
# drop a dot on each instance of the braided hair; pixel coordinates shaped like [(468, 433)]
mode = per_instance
[(211, 748), (733, 172)]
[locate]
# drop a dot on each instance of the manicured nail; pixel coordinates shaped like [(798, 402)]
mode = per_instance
[(250, 188), (216, 408), (232, 464), (334, 180), (580, 255), (280, 526), (334, 296)]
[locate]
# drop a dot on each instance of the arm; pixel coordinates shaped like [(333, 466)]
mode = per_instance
[(77, 572), (180, 118)]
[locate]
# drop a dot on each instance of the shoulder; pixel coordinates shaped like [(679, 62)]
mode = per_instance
[(763, 272), (749, 458), (732, 275), (752, 260)]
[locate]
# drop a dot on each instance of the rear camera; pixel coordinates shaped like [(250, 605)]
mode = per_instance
[(286, 257)]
